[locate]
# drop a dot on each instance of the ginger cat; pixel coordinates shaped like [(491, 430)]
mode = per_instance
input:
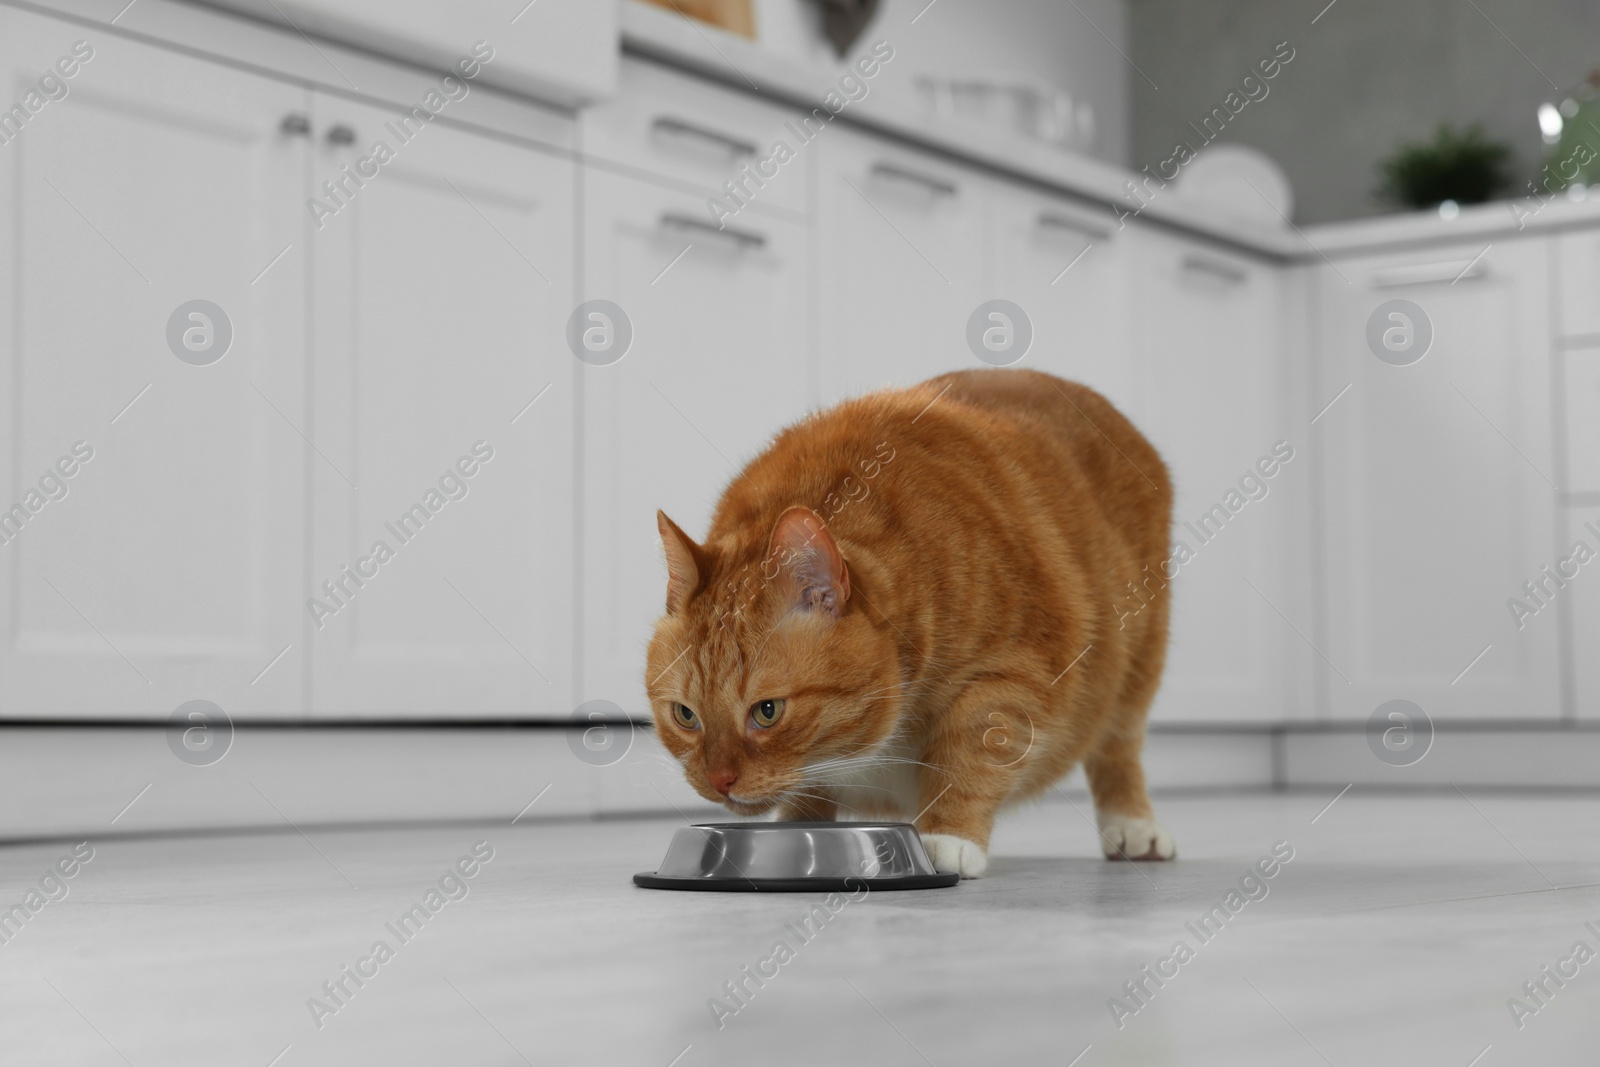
[(907, 606)]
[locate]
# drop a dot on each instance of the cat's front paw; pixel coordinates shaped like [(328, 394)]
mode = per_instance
[(1124, 837), (956, 855)]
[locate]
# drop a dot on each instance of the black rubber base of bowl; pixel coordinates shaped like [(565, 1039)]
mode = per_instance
[(849, 884)]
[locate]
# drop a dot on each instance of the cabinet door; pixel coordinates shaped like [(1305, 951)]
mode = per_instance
[(1439, 501), (719, 362), (1577, 256), (1070, 270), (1583, 524), (1579, 471), (163, 569), (1217, 397), (901, 266), (443, 284)]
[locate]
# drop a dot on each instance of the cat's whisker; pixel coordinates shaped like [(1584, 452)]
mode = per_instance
[(856, 762), (863, 785), (845, 774), (787, 793)]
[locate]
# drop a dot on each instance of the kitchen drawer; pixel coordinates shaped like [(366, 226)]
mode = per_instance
[(683, 130), (1578, 275), (1582, 395)]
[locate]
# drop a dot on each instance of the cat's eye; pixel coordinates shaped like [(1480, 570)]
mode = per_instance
[(686, 718), (765, 712)]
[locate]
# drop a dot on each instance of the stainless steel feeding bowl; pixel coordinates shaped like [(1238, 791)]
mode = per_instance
[(793, 857)]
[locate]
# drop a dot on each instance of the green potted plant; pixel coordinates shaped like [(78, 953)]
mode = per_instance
[(1456, 166)]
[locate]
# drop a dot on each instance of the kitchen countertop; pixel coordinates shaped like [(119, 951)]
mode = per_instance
[(1497, 220), (745, 65)]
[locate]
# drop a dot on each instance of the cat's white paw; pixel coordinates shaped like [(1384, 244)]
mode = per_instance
[(956, 855), (1123, 837)]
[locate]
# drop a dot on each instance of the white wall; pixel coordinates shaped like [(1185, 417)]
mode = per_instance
[(1367, 76)]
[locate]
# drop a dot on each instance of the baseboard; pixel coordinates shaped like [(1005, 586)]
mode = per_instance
[(59, 781), (67, 781), (1493, 757)]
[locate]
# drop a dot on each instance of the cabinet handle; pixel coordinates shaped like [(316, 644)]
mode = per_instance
[(895, 172), (1051, 221), (1216, 268), (672, 220), (735, 146), (341, 135), (295, 124), (1450, 271)]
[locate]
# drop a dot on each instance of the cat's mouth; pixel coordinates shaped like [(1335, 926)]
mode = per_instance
[(749, 806)]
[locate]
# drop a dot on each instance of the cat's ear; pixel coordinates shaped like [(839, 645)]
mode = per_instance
[(687, 563), (808, 558)]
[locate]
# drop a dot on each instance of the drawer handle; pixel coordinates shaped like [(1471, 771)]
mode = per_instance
[(1051, 221), (295, 124), (1451, 271), (1217, 269), (341, 134), (743, 238), (895, 172), (736, 146)]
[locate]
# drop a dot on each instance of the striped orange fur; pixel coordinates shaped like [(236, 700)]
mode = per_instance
[(906, 606)]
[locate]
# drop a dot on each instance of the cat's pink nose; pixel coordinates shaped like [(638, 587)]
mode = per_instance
[(722, 781)]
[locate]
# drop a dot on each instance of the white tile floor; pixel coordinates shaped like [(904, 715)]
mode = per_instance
[(1395, 936)]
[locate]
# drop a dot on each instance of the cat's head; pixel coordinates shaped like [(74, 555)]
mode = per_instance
[(765, 665)]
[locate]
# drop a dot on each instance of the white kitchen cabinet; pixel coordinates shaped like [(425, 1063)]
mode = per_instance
[(1072, 273), (683, 131), (902, 263), (912, 245), (168, 571), (720, 360), (374, 348), (1438, 502), (1218, 398), (1578, 280), (1580, 398), (1583, 609), (442, 290)]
